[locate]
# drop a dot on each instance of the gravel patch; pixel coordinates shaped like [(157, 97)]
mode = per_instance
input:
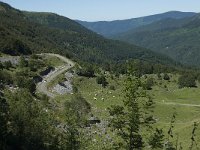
[(69, 75), (64, 87), (13, 60)]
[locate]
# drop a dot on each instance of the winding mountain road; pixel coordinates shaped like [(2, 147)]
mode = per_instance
[(42, 86)]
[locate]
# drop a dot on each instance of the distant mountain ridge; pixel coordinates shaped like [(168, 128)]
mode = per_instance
[(110, 28), (177, 38)]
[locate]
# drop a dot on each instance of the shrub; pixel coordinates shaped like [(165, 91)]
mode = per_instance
[(187, 80), (112, 87), (159, 76), (102, 80), (23, 62), (149, 83), (7, 65), (87, 72), (5, 77), (1, 66), (75, 89), (15, 47), (166, 77)]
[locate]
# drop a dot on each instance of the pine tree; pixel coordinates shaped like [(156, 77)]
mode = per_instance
[(22, 62), (157, 139), (193, 137), (136, 114), (75, 117), (3, 123)]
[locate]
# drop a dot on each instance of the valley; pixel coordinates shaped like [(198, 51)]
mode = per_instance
[(129, 84), (167, 100)]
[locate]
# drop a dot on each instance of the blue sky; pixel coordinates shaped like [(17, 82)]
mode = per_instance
[(96, 10)]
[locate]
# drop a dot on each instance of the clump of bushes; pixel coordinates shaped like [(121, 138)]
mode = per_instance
[(187, 80), (86, 71), (102, 80), (148, 84), (166, 77)]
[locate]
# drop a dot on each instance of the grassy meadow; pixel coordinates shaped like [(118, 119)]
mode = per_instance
[(167, 96)]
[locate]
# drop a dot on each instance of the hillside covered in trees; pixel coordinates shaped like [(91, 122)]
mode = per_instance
[(64, 87), (177, 38), (112, 28), (29, 32)]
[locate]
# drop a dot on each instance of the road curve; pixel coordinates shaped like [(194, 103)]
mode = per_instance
[(42, 86)]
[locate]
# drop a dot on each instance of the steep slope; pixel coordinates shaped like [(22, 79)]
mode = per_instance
[(177, 38), (23, 32), (110, 28), (55, 21)]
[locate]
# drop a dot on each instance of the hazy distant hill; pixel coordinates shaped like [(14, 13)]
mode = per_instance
[(29, 32), (109, 28), (177, 38)]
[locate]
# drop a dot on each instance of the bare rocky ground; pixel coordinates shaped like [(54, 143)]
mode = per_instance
[(66, 86), (42, 86), (13, 60)]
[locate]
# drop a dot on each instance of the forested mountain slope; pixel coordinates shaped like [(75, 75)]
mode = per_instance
[(177, 38), (29, 32), (110, 28)]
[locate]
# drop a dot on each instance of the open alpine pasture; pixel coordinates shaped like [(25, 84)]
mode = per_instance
[(166, 94), (72, 84)]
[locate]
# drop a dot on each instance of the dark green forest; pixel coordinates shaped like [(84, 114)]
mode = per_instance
[(120, 96), (176, 38), (26, 33)]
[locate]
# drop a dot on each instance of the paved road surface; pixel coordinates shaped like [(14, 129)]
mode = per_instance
[(42, 86)]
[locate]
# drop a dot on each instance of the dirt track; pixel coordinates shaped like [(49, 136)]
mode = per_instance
[(42, 86), (178, 104)]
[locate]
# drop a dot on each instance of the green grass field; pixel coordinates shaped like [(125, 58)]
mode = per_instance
[(186, 115), (101, 98)]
